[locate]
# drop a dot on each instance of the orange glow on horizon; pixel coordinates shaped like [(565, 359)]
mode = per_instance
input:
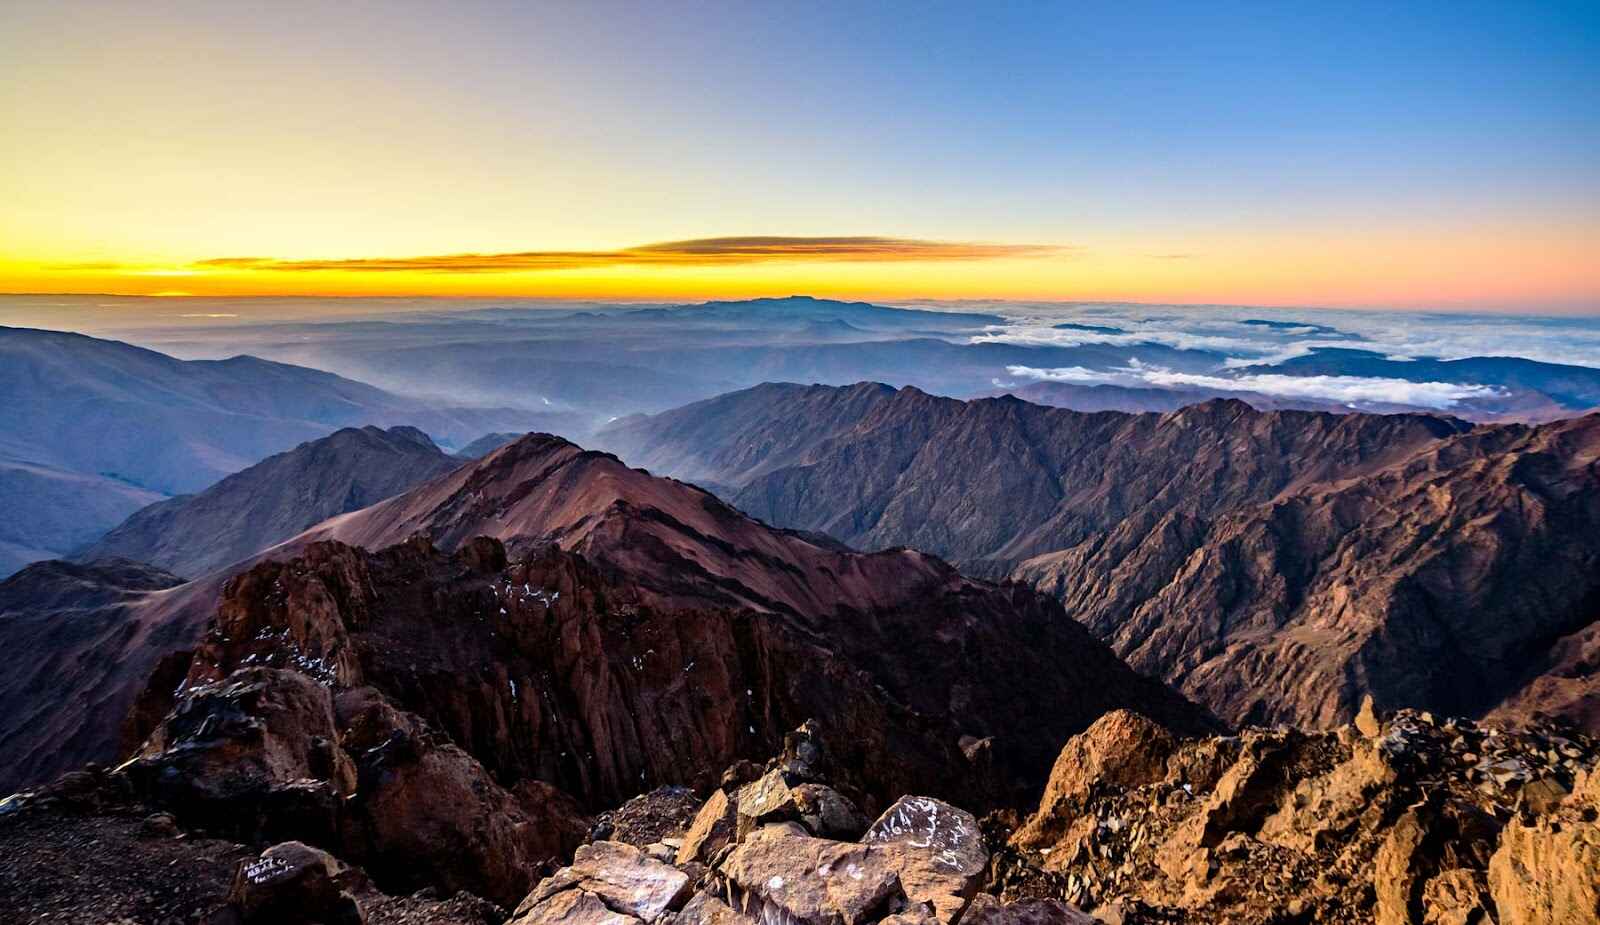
[(1536, 269)]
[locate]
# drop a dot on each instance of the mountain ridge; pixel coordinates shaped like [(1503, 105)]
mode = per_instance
[(275, 499)]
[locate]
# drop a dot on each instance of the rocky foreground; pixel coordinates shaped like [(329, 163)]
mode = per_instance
[(1404, 819)]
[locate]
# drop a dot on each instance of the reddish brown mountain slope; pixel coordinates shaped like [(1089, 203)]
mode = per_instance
[(67, 632), (1274, 565), (897, 634), (1442, 582), (991, 482)]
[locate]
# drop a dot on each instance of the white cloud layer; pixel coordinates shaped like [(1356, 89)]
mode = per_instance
[(1351, 390), (1237, 335)]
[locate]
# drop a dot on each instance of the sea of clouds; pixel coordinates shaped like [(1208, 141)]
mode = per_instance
[(1244, 339)]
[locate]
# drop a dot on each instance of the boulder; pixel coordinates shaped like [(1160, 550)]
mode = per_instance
[(712, 830), (944, 856), (1121, 750), (767, 799), (828, 813), (571, 907), (775, 875), (428, 814), (248, 752), (294, 884), (607, 882)]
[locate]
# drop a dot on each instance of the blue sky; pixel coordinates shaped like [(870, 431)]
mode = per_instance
[(1287, 149)]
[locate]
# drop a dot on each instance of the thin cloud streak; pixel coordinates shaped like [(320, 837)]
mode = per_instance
[(697, 252)]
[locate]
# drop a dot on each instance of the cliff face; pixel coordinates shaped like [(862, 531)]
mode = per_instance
[(1273, 565), (1442, 581), (555, 667)]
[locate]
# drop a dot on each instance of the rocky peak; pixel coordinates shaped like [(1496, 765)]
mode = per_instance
[(1403, 818), (271, 501), (556, 668)]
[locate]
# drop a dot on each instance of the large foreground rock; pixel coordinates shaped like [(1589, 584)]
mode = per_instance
[(777, 875), (294, 884), (608, 882), (943, 852), (1548, 869), (1406, 819)]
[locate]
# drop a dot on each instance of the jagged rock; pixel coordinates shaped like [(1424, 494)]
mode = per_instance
[(294, 884), (769, 799), (1243, 798), (1331, 828), (1120, 750), (775, 875), (1549, 870), (427, 813), (255, 753), (713, 828), (1457, 897), (944, 852), (608, 882), (1398, 874), (1325, 807), (828, 813), (1366, 721)]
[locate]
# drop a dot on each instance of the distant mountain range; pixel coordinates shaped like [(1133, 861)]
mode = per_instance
[(91, 430), (275, 499), (1273, 565), (598, 365)]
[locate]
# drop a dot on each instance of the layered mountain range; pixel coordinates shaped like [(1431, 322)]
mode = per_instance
[(92, 430), (660, 576), (1274, 565), (275, 499), (408, 686)]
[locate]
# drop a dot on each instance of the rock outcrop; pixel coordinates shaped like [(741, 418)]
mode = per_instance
[(1547, 868), (1423, 820), (649, 634), (921, 863), (266, 754)]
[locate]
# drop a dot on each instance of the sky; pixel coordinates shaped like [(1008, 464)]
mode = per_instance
[(1410, 156)]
